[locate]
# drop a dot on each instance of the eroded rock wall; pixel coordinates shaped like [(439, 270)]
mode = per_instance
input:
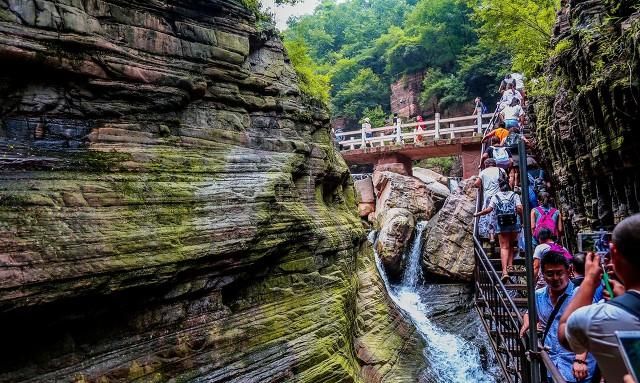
[(586, 123), (171, 208)]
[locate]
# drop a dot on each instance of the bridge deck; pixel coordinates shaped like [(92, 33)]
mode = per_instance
[(429, 149)]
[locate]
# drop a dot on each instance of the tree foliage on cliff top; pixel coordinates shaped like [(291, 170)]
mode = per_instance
[(366, 45), (464, 46), (522, 27), (311, 83)]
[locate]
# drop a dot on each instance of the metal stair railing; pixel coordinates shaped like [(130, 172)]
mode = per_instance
[(499, 314)]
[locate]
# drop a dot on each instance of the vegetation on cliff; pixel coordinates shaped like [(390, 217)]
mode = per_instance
[(463, 46)]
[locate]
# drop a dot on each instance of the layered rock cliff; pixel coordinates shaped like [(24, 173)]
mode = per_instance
[(171, 208), (586, 121)]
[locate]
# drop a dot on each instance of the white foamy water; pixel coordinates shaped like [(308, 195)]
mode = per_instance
[(450, 357), (413, 271)]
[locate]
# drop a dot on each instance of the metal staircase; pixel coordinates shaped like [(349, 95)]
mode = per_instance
[(501, 306)]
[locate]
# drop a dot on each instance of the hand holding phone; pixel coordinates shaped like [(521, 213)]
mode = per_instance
[(592, 268)]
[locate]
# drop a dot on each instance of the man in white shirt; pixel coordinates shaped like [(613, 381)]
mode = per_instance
[(591, 327)]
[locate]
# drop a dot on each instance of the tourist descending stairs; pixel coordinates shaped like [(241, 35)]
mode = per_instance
[(501, 305)]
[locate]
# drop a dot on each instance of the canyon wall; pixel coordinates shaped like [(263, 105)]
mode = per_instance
[(587, 115), (172, 209)]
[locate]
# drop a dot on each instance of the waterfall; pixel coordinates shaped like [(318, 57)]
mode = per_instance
[(413, 271), (450, 358)]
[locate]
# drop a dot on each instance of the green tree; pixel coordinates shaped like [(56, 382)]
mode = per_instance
[(523, 27), (366, 90), (311, 83), (376, 115)]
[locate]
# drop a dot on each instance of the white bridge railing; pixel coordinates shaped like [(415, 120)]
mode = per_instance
[(406, 133)]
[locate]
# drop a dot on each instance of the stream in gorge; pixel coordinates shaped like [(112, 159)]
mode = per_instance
[(450, 356)]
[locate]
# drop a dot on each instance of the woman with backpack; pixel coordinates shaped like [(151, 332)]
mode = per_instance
[(508, 209), (546, 216)]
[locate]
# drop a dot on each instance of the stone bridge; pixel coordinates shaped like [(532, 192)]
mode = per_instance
[(395, 147)]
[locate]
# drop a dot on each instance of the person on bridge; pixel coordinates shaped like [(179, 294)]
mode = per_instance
[(508, 209), (366, 129), (480, 107), (591, 327), (419, 131), (552, 301)]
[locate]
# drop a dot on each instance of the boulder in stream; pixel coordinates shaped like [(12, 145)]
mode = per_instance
[(448, 248), (396, 227), (399, 191)]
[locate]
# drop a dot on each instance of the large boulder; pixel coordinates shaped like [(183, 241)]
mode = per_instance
[(422, 172), (439, 191), (448, 248), (396, 227), (399, 191)]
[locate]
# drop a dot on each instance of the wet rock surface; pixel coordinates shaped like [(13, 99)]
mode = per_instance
[(586, 123), (448, 247), (171, 207), (396, 228)]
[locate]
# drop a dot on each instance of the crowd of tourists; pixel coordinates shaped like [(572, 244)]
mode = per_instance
[(582, 299)]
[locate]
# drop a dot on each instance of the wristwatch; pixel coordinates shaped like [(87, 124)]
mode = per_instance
[(579, 361)]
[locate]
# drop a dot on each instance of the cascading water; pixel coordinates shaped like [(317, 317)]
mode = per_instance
[(450, 357), (413, 271)]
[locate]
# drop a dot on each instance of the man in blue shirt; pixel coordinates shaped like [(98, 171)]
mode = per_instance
[(559, 291)]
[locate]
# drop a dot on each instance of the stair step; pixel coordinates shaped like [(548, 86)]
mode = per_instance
[(516, 261), (506, 334), (519, 302), (516, 286), (515, 273)]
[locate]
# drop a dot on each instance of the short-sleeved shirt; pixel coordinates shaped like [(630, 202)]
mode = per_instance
[(501, 133), (538, 253), (512, 112), (519, 80), (490, 181), (592, 328), (501, 196), (560, 356), (490, 149)]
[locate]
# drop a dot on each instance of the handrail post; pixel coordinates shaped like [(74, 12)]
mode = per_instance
[(531, 289), (437, 121), (479, 122)]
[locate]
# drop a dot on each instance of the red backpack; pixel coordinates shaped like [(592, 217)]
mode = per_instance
[(546, 221)]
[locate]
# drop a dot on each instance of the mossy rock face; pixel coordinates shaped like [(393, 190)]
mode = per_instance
[(585, 120), (171, 208)]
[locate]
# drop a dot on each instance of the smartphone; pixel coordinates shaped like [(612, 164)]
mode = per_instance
[(597, 242), (629, 345)]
